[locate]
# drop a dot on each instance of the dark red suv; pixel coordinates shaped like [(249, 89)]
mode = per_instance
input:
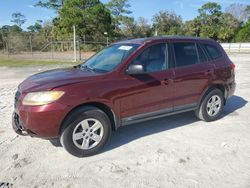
[(128, 82)]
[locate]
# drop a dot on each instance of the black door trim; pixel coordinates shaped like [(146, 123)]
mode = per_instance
[(158, 114)]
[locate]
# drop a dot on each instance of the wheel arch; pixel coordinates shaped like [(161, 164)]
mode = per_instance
[(114, 120), (221, 87)]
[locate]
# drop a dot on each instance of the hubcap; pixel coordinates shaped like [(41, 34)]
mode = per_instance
[(213, 105), (88, 134)]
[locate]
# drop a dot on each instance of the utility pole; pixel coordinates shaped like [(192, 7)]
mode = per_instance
[(74, 30)]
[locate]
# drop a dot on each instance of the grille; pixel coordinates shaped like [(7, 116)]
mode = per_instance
[(17, 95)]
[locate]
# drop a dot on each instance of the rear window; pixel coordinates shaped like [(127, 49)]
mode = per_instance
[(202, 56), (213, 52)]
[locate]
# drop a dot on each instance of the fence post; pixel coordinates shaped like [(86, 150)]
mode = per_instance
[(7, 46), (239, 47), (79, 48), (84, 43), (74, 30), (52, 49), (229, 47), (31, 47)]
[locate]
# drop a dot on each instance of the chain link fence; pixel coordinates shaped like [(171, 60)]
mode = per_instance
[(36, 48)]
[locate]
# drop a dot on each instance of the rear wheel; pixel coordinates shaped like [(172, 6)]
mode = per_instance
[(87, 132), (211, 106)]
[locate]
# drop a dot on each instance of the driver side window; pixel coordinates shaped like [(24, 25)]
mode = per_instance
[(153, 59)]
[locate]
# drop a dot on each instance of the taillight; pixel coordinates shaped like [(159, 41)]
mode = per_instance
[(232, 65)]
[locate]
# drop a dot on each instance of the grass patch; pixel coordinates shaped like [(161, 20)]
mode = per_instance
[(33, 63)]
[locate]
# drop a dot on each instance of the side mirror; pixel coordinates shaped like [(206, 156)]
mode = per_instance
[(135, 69)]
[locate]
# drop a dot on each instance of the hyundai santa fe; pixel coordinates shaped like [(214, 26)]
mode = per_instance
[(128, 82)]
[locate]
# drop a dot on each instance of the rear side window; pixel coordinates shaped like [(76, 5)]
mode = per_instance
[(213, 52), (185, 54)]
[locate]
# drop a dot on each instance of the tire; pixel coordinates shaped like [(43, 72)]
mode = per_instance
[(211, 106), (85, 132)]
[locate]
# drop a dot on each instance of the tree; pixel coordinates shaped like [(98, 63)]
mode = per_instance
[(166, 22), (51, 4), (210, 20), (18, 18), (244, 34), (239, 11), (143, 28), (37, 27), (136, 29), (193, 27), (120, 12), (210, 9), (229, 25), (128, 29), (90, 17)]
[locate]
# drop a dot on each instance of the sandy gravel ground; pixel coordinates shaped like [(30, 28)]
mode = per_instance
[(177, 151)]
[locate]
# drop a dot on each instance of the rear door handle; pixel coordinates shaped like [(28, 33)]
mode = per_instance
[(166, 81), (209, 72)]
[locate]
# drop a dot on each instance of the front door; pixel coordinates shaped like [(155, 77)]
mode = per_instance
[(151, 92)]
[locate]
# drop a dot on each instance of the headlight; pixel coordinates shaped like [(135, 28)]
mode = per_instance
[(41, 98)]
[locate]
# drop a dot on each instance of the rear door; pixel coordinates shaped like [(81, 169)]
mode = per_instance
[(193, 73)]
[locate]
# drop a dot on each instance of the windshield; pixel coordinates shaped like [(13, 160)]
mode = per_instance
[(109, 58)]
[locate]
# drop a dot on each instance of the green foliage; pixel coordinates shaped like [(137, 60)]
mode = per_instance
[(228, 27), (95, 21), (51, 4), (37, 27), (90, 17), (209, 18), (193, 27), (244, 34), (120, 12), (18, 18), (167, 23), (210, 9), (213, 23)]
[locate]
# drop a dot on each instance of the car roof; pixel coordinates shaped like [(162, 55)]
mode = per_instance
[(170, 37)]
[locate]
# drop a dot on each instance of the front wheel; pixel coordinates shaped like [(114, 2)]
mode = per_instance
[(211, 106), (87, 134)]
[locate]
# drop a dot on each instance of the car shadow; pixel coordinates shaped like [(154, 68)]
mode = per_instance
[(130, 133), (233, 104)]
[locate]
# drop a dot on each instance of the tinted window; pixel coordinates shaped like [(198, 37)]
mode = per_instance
[(212, 51), (202, 56), (153, 58), (185, 54)]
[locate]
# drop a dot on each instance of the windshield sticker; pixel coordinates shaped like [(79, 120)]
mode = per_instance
[(127, 48)]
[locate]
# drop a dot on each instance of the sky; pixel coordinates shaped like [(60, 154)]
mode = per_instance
[(187, 9)]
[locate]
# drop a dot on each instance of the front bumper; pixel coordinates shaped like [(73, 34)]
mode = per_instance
[(17, 126), (39, 121)]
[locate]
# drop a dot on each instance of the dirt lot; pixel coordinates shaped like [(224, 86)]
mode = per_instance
[(177, 151)]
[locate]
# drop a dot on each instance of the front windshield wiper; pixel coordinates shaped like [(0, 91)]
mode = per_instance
[(87, 68), (77, 66), (93, 69)]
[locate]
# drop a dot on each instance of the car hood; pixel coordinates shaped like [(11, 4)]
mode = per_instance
[(56, 78)]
